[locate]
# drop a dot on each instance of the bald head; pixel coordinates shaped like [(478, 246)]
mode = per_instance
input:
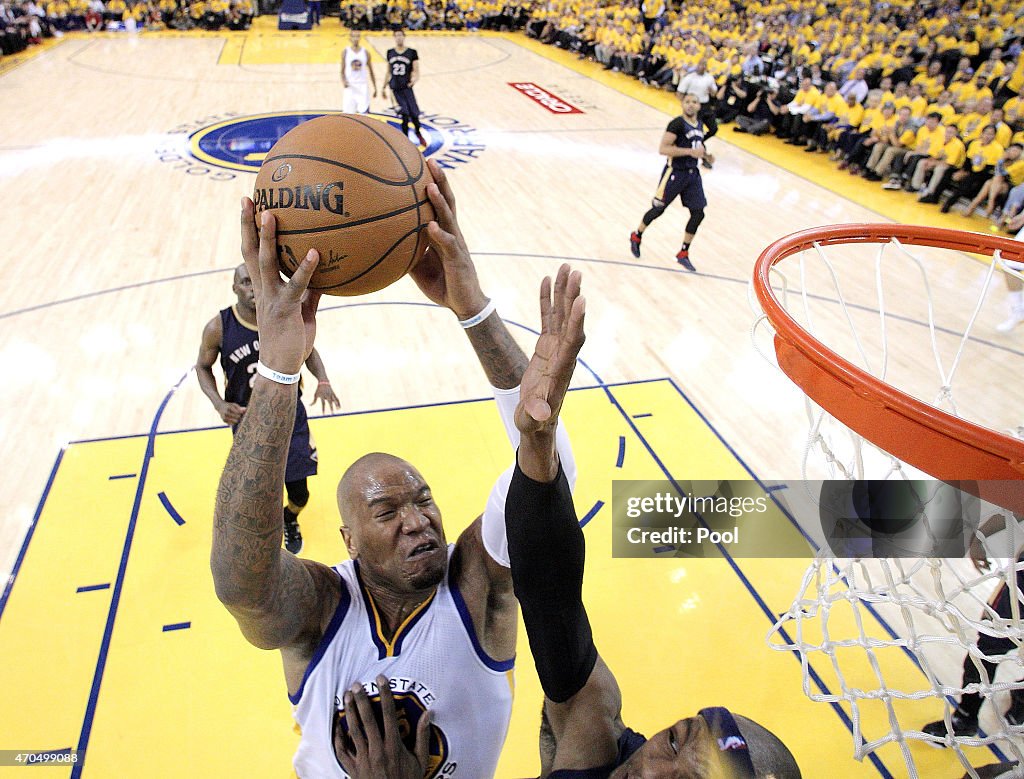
[(241, 273), (365, 479), (391, 524)]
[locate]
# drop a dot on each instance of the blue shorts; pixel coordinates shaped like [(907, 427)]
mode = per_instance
[(302, 452), (685, 184)]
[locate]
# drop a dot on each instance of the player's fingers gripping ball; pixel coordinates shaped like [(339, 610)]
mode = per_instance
[(354, 189)]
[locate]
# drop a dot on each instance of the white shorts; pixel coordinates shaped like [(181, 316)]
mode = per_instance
[(356, 99)]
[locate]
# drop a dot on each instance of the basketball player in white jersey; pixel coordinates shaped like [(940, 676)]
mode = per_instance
[(438, 620), (355, 65)]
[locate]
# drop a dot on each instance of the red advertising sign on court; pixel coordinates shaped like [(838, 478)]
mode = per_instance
[(542, 97)]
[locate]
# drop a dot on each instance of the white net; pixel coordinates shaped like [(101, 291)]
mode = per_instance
[(904, 642)]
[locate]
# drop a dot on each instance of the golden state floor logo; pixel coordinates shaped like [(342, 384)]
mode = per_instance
[(241, 143)]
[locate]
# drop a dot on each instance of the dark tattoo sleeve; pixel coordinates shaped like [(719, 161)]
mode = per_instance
[(271, 593), (502, 359)]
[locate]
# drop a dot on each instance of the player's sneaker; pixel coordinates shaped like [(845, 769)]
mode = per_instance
[(421, 139), (1016, 318), (963, 725), (292, 534), (634, 243), (683, 258)]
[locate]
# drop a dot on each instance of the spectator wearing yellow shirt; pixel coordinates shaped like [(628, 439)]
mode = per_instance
[(1011, 83), (1004, 133), (977, 114), (1013, 110), (894, 142), (1009, 173), (982, 156), (882, 125), (815, 123), (994, 68), (848, 118), (938, 168), (115, 10), (944, 106), (932, 81), (926, 143), (803, 101)]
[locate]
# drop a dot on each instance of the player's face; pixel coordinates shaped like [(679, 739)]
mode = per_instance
[(242, 287), (354, 38), (684, 751), (395, 527), (691, 105), (400, 38)]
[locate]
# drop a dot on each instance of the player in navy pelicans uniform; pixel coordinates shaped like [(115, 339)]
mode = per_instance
[(232, 334), (683, 144), (403, 73), (438, 619)]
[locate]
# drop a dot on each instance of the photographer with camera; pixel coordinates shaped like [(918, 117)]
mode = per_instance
[(761, 113)]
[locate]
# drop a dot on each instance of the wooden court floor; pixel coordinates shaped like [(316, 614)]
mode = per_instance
[(120, 242)]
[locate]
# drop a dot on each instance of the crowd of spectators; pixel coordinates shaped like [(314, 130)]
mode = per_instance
[(918, 96), (435, 14), (29, 22), (25, 22)]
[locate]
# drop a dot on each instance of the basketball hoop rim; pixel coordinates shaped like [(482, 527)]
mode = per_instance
[(851, 394)]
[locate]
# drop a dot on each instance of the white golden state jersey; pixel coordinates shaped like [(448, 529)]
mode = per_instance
[(434, 662)]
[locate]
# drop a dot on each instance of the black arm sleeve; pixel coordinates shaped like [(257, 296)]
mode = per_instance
[(546, 550)]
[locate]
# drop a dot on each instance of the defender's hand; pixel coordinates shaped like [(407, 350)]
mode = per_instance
[(547, 377), (445, 273), (366, 752), (285, 310)]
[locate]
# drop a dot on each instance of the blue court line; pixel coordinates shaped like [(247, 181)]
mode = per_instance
[(772, 619), (883, 623), (642, 416), (592, 513), (170, 509), (177, 626), (28, 535), (662, 549), (115, 599), (94, 587), (775, 488), (122, 476), (620, 458)]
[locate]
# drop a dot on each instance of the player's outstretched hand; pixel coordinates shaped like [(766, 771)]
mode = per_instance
[(368, 753), (325, 395), (285, 310), (547, 377), (445, 273)]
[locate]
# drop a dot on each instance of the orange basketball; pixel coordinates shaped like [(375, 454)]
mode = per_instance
[(354, 189)]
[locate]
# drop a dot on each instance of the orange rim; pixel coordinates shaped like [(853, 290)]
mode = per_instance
[(938, 443)]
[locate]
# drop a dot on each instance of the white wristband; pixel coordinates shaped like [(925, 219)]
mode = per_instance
[(280, 378), (473, 321)]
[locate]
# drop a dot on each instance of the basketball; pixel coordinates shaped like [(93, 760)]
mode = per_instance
[(354, 189)]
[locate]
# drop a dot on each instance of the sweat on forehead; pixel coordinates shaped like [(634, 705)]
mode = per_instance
[(372, 474)]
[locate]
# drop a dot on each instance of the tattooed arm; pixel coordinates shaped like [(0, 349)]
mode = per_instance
[(276, 597), (278, 600)]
